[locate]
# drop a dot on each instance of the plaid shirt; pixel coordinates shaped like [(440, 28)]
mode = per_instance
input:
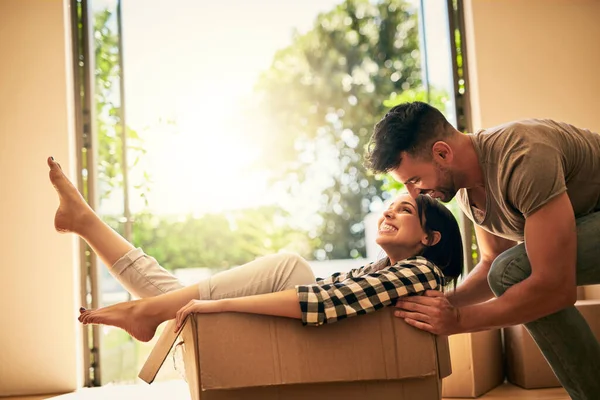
[(365, 289)]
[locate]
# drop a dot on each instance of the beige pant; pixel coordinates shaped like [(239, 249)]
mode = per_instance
[(142, 276)]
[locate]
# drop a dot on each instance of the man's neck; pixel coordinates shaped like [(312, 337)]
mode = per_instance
[(468, 168)]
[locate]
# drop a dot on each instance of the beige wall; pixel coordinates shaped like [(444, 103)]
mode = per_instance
[(534, 58), (39, 337)]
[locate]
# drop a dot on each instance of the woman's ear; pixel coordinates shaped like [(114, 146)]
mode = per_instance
[(432, 239)]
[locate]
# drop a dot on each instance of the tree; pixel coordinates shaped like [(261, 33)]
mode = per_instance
[(213, 240), (107, 101), (217, 241), (326, 90)]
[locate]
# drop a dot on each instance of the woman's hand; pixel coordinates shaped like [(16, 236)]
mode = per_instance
[(196, 306)]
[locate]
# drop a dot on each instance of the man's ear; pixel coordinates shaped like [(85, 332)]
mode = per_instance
[(431, 240), (442, 152)]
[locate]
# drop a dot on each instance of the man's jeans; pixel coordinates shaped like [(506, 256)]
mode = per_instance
[(564, 338)]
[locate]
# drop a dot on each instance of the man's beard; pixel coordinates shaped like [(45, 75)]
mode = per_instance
[(447, 187)]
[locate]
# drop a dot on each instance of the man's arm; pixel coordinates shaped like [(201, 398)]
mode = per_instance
[(551, 243), (475, 288)]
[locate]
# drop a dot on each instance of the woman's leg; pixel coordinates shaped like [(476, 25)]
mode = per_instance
[(139, 274), (268, 274)]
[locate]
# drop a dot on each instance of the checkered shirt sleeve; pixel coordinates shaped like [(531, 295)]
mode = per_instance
[(359, 294)]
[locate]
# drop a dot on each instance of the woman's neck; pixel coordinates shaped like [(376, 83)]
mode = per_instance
[(401, 254)]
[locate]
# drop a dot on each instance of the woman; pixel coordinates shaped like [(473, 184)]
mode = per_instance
[(420, 237)]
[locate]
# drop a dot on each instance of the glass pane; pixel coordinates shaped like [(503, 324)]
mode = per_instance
[(118, 351), (246, 128)]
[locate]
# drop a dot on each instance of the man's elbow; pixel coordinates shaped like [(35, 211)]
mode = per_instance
[(565, 296), (559, 294), (570, 297)]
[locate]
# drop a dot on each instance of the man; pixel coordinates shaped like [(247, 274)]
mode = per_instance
[(532, 188)]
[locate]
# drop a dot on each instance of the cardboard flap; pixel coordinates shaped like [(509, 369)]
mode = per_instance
[(243, 350), (159, 353), (191, 357)]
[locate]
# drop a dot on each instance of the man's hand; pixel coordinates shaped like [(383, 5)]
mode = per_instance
[(431, 312)]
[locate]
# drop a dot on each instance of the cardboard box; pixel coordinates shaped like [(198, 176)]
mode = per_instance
[(591, 292), (526, 366), (245, 356), (581, 293), (477, 364)]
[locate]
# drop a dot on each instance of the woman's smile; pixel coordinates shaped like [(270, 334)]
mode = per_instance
[(387, 228)]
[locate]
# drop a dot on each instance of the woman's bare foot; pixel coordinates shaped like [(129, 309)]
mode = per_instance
[(72, 210), (132, 316)]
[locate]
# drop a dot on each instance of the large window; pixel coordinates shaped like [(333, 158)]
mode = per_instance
[(225, 131)]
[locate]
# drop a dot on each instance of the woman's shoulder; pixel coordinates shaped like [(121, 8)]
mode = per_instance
[(419, 262)]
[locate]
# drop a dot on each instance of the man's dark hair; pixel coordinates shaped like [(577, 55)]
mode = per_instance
[(408, 127)]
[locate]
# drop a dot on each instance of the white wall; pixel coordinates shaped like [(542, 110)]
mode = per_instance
[(40, 341), (534, 58)]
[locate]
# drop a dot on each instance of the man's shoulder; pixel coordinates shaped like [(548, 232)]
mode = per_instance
[(518, 127), (518, 135)]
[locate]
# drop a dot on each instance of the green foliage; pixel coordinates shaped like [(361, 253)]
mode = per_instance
[(327, 90), (216, 241), (108, 110)]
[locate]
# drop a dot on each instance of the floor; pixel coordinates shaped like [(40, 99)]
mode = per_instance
[(178, 390), (508, 391)]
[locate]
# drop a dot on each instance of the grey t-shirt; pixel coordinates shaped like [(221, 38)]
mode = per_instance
[(527, 163)]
